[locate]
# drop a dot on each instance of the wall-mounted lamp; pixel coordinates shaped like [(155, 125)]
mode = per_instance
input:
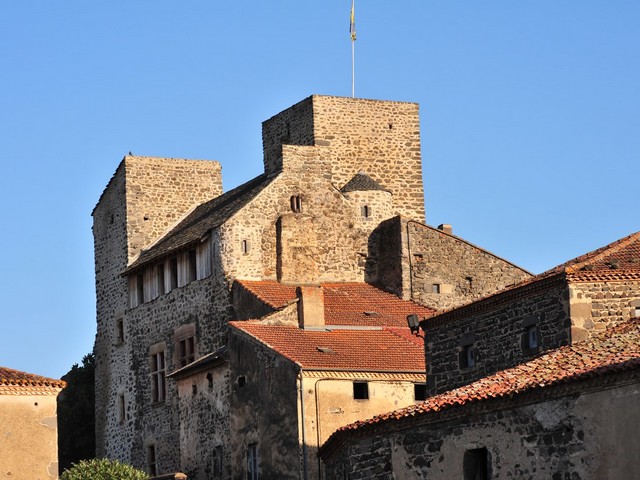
[(414, 324)]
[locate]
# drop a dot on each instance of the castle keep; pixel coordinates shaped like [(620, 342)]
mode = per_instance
[(237, 330)]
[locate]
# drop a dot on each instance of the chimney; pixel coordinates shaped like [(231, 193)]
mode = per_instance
[(446, 228), (310, 306)]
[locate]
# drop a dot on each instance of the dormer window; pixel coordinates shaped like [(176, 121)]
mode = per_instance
[(296, 203)]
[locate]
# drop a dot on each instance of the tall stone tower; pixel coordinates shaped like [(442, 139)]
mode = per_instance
[(143, 199), (380, 138)]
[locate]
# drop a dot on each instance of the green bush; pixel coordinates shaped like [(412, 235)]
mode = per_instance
[(102, 469)]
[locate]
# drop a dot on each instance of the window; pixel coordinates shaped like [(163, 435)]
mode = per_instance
[(242, 381), (140, 288), (121, 409), (475, 464), (435, 288), (366, 211), (119, 331), (245, 246), (636, 312), (158, 381), (531, 335), (252, 461), (467, 356), (360, 390), (419, 391), (217, 462), (173, 272), (160, 278), (151, 460), (186, 351), (296, 203), (192, 267)]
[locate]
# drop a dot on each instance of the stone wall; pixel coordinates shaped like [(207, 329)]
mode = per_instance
[(381, 138), (142, 200), (263, 409), (204, 423), (494, 329), (570, 437), (433, 267), (598, 305)]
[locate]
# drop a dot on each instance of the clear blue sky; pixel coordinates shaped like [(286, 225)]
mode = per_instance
[(530, 118)]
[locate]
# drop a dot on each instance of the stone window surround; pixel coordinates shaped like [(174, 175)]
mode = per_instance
[(467, 352), (157, 372), (531, 330), (184, 333)]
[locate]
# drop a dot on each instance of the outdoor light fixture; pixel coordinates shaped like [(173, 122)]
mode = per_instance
[(414, 324)]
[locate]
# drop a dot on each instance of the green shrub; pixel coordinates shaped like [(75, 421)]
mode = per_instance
[(102, 469)]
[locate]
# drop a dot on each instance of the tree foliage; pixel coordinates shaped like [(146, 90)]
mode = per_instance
[(102, 469), (76, 415)]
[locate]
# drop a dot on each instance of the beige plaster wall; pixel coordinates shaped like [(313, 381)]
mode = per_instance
[(28, 437)]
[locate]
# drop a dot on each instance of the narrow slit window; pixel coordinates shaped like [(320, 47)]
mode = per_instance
[(296, 203), (121, 409), (467, 356), (245, 247), (151, 460), (119, 331), (366, 211)]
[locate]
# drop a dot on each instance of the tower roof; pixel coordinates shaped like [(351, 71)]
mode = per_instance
[(362, 182)]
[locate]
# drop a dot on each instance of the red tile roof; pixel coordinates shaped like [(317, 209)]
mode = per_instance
[(345, 303), (15, 382), (613, 350), (617, 261), (379, 350), (622, 255)]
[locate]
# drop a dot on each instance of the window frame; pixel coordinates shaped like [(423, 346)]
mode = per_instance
[(157, 373)]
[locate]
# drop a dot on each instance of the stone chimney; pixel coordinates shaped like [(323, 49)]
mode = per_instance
[(310, 306), (446, 228)]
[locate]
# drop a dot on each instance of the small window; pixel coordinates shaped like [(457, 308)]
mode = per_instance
[(467, 356), (193, 266), (296, 203), (475, 464), (245, 246), (151, 460), (121, 409), (160, 278), (173, 272), (217, 462), (158, 380), (119, 331), (360, 390), (636, 312), (242, 381), (419, 391), (186, 353), (532, 336), (366, 211), (435, 288), (140, 288), (252, 462)]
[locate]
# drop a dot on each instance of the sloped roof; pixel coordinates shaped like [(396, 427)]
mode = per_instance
[(344, 303), (361, 182), (15, 382), (620, 257), (619, 260), (202, 219), (611, 351), (379, 350)]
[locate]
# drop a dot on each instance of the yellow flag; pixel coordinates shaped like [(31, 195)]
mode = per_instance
[(352, 24)]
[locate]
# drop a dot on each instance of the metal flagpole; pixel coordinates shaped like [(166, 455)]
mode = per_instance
[(352, 31)]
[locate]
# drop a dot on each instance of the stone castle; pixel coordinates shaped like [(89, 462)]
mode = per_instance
[(237, 330)]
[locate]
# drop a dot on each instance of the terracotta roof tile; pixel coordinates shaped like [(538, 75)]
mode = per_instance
[(15, 382), (353, 350), (613, 350), (345, 303)]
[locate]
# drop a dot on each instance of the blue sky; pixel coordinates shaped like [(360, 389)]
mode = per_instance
[(530, 116)]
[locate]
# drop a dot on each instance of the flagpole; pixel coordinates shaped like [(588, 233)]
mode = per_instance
[(352, 32), (353, 69)]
